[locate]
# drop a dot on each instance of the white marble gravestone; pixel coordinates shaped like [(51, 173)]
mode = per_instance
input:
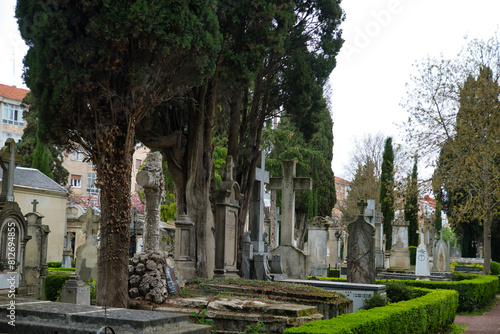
[(422, 270)]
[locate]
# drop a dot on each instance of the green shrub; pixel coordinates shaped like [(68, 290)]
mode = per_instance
[(430, 313), (61, 270), (53, 285), (374, 301), (398, 292), (413, 255), (93, 289), (494, 268), (54, 264), (334, 273), (474, 293)]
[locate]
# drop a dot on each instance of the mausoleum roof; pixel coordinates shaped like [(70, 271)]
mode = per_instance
[(34, 179)]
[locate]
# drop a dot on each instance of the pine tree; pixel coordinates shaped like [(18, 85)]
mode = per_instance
[(411, 206), (386, 198)]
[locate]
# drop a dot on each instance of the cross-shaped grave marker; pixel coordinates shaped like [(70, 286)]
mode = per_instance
[(35, 202), (9, 160), (362, 204), (288, 184), (256, 216)]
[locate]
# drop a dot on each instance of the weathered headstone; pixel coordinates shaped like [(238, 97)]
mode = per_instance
[(400, 252), (86, 254), (422, 270), (442, 255), (185, 246), (75, 291), (379, 238), (13, 226), (333, 245), (361, 245), (317, 241), (36, 251), (151, 178), (294, 259), (226, 225)]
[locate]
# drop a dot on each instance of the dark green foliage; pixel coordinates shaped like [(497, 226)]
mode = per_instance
[(411, 206), (54, 264), (438, 222), (386, 197), (374, 301), (413, 255), (53, 285), (42, 159), (93, 289), (430, 313), (399, 291), (474, 293), (494, 268), (334, 273)]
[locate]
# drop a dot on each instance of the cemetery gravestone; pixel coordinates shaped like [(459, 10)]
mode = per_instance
[(400, 252), (361, 245), (442, 255), (13, 226), (333, 245), (226, 226), (86, 254), (294, 259), (317, 244), (75, 291), (422, 270)]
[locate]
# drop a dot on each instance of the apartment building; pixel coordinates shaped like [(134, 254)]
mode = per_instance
[(11, 113), (341, 188)]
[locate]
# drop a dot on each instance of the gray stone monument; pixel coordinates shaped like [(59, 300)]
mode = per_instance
[(400, 252), (151, 178), (86, 254), (226, 225), (442, 255), (333, 245), (294, 259), (317, 241), (361, 254), (75, 291), (422, 270), (36, 261)]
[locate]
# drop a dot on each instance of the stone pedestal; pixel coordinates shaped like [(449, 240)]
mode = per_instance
[(185, 247), (294, 261), (75, 291), (317, 246), (400, 253)]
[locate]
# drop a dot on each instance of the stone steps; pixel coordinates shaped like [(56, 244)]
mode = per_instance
[(43, 317)]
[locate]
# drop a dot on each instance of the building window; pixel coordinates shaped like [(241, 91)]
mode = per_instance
[(91, 184), (77, 155), (138, 163), (13, 114), (7, 135), (76, 181)]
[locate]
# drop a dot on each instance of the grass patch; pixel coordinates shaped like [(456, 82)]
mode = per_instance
[(455, 329), (484, 309)]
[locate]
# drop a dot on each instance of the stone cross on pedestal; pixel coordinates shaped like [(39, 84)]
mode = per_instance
[(256, 214), (362, 204), (9, 160), (35, 202), (288, 184), (152, 180)]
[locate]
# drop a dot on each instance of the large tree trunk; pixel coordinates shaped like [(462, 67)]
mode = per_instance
[(113, 172)]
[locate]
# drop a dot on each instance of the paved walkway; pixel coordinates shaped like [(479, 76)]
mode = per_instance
[(486, 323)]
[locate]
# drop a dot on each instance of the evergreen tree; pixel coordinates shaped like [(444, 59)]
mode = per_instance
[(411, 206), (438, 219), (386, 198), (364, 186), (42, 159)]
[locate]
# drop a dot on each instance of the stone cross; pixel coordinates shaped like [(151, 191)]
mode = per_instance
[(362, 204), (229, 169), (151, 178), (35, 202), (256, 215), (9, 160), (288, 184)]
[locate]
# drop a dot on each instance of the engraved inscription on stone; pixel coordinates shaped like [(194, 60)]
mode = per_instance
[(230, 245)]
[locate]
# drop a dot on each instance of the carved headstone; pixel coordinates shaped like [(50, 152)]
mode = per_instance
[(400, 252), (422, 270), (151, 178), (361, 254), (442, 255), (36, 261), (86, 254), (317, 242), (226, 225)]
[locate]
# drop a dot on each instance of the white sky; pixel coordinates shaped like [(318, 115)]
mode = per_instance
[(383, 38)]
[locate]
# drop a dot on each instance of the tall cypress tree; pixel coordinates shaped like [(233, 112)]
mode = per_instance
[(411, 206), (386, 198), (42, 159)]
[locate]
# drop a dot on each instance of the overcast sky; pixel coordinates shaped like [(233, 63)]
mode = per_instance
[(383, 38)]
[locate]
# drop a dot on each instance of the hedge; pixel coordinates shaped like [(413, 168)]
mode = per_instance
[(427, 314), (53, 285), (474, 293)]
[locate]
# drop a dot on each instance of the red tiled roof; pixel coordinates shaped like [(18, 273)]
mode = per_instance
[(338, 179), (13, 93)]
